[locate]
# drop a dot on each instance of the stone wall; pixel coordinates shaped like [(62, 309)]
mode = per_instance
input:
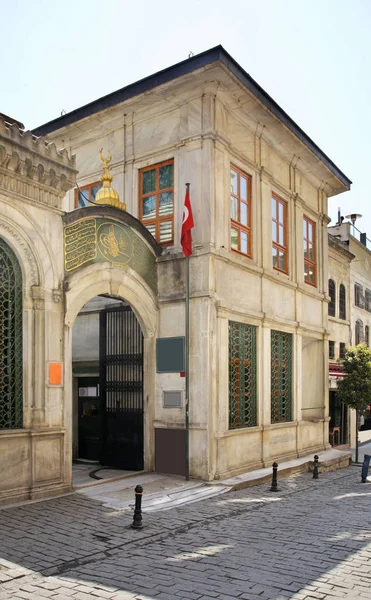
[(206, 122), (34, 178)]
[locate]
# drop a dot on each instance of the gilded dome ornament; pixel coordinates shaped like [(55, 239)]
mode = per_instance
[(107, 195)]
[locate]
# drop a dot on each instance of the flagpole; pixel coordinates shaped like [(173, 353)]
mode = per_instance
[(187, 365)]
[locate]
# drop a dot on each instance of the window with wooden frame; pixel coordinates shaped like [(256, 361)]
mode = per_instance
[(331, 349), (367, 335), (342, 302), (309, 238), (240, 208), (156, 201), (342, 351), (86, 194), (279, 234), (332, 294)]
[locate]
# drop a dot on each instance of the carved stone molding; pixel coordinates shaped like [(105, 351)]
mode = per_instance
[(38, 297), (11, 234), (34, 168), (57, 295)]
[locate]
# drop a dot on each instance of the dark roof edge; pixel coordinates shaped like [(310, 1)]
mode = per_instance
[(339, 245), (183, 68)]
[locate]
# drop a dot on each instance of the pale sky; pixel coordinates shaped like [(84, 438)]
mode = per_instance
[(312, 56)]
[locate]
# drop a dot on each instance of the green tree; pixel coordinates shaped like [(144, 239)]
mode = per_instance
[(355, 389)]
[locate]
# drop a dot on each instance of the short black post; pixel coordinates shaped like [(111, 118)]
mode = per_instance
[(137, 521), (366, 464), (274, 487), (315, 467)]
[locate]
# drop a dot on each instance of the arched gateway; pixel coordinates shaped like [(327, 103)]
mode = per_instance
[(111, 319)]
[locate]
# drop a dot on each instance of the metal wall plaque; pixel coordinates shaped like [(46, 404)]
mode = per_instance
[(172, 399), (170, 355), (94, 240)]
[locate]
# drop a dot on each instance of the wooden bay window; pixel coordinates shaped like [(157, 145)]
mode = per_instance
[(240, 210), (156, 201), (279, 234)]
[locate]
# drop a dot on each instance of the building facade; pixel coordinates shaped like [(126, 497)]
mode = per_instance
[(339, 325), (359, 246), (34, 446), (258, 274)]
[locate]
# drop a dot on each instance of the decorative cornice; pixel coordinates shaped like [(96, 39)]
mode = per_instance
[(340, 246), (34, 168)]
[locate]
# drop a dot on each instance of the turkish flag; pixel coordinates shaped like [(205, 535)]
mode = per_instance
[(187, 225)]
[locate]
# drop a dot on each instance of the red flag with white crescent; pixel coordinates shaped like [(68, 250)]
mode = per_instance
[(187, 225)]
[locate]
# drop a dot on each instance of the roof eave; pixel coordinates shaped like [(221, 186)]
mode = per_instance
[(183, 68)]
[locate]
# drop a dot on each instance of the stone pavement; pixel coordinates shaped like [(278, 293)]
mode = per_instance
[(309, 541)]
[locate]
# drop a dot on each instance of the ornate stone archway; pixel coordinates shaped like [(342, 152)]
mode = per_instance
[(129, 275)]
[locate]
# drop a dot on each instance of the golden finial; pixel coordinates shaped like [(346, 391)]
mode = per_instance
[(105, 161), (106, 194)]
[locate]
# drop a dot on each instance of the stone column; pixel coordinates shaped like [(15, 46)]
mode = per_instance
[(38, 352), (265, 399)]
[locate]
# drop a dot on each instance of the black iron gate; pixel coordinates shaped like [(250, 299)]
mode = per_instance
[(121, 388)]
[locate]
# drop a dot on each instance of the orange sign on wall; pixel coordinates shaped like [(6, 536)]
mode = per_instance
[(55, 373)]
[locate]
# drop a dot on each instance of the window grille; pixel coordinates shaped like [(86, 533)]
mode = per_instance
[(11, 393), (242, 375), (281, 376)]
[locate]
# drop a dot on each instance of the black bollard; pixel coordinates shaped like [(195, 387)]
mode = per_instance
[(274, 487), (137, 520), (366, 463), (315, 467)]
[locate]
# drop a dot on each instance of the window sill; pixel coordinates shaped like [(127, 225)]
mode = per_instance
[(239, 259), (239, 431)]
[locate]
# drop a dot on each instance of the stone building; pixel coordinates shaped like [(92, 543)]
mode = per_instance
[(358, 301), (339, 324), (258, 275), (34, 444)]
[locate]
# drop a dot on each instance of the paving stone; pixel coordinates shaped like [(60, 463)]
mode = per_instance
[(246, 544)]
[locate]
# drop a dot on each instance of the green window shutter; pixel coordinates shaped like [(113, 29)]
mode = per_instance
[(281, 376), (242, 375)]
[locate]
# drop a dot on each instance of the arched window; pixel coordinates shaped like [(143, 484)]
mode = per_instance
[(367, 335), (332, 294), (342, 302), (11, 395), (359, 332)]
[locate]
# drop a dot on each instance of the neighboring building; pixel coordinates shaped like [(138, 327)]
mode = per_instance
[(339, 321), (34, 445), (359, 246), (258, 275)]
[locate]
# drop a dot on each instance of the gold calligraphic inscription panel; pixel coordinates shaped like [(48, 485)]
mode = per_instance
[(101, 240), (80, 244)]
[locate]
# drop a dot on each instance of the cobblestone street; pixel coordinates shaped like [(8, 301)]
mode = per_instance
[(311, 540)]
